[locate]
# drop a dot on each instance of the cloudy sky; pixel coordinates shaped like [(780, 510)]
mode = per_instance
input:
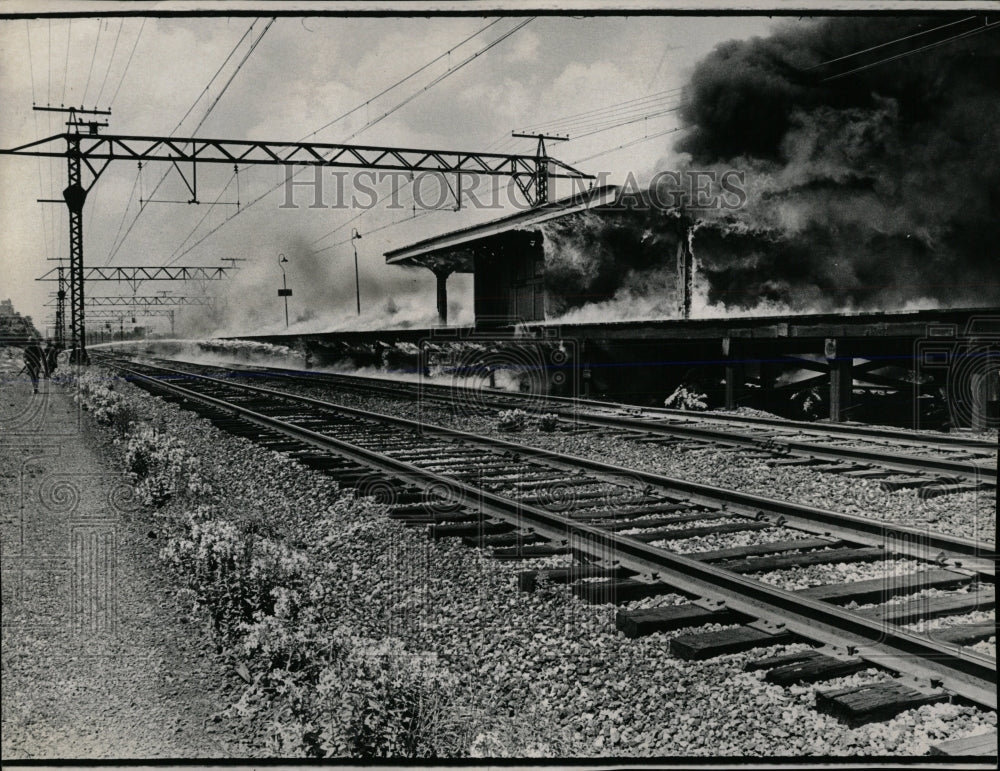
[(302, 75)]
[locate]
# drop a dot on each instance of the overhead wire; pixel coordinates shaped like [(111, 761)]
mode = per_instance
[(121, 80), (239, 66), (616, 120), (41, 185), (888, 43), (69, 38), (401, 81), (411, 199), (671, 130), (212, 79), (97, 42), (117, 247), (450, 71), (987, 26), (610, 109), (111, 59), (128, 203), (208, 211), (628, 122), (447, 73)]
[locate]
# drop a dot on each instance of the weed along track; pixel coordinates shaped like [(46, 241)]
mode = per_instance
[(615, 535)]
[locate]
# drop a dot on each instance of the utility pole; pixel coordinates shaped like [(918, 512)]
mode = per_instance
[(284, 291), (75, 195), (61, 309), (355, 236), (96, 151), (541, 163), (685, 264)]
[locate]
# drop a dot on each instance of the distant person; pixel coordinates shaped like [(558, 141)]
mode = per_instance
[(51, 357), (34, 362)]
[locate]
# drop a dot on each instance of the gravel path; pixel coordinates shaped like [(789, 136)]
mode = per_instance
[(98, 660)]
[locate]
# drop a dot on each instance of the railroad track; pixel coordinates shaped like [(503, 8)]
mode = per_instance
[(934, 464), (623, 535)]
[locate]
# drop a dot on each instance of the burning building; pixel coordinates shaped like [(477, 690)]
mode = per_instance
[(534, 265)]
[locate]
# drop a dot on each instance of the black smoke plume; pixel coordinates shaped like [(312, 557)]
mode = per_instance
[(876, 190)]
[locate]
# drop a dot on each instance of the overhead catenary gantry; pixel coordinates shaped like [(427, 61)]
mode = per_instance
[(136, 274), (150, 300), (94, 151), (119, 315)]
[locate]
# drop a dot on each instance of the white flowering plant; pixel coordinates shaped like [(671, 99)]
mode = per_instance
[(511, 420), (684, 399), (162, 466)]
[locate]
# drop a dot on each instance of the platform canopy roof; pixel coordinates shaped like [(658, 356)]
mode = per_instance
[(454, 250)]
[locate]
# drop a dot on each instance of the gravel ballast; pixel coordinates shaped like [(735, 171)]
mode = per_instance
[(967, 515), (552, 676)]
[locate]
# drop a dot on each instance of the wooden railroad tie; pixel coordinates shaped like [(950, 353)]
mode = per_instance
[(619, 590), (808, 667), (881, 589), (527, 580), (485, 527), (979, 745), (639, 623), (983, 598), (529, 552), (707, 645), (802, 559), (696, 532), (877, 701)]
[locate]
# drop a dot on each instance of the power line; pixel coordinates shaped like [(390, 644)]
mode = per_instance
[(127, 204), (450, 71), (69, 39), (97, 42), (891, 42), (986, 26), (111, 60), (671, 130), (121, 243), (31, 64), (370, 123), (212, 79), (611, 108), (127, 63), (41, 185), (402, 80), (48, 90), (239, 66), (642, 111), (207, 212), (627, 122)]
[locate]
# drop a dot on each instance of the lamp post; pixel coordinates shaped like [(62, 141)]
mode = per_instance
[(355, 235), (284, 291)]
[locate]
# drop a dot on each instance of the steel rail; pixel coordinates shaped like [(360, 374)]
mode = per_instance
[(977, 556), (981, 470), (821, 429), (962, 671)]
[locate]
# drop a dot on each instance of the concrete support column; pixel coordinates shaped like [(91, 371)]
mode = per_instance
[(841, 380), (442, 293)]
